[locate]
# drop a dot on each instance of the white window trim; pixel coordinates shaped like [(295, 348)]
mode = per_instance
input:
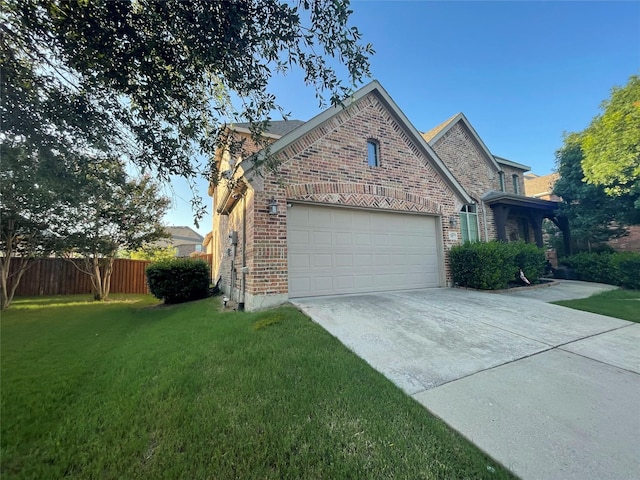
[(470, 215)]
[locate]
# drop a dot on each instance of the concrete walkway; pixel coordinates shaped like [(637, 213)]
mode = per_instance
[(547, 391)]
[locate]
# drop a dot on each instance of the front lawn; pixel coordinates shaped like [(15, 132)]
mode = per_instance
[(618, 303), (133, 390)]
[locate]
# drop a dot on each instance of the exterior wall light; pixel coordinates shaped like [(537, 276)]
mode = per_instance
[(273, 206), (453, 221)]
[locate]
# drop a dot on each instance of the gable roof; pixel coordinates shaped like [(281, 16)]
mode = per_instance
[(431, 134), (275, 128), (511, 163), (183, 236), (373, 87), (435, 134)]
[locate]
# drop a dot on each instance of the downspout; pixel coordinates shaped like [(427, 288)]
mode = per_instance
[(484, 222), (244, 252)]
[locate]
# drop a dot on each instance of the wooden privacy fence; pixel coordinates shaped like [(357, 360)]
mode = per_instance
[(57, 276)]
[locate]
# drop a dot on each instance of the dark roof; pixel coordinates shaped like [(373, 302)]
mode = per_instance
[(277, 127), (511, 163), (492, 197)]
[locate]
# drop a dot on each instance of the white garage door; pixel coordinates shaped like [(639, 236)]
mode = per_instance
[(339, 250)]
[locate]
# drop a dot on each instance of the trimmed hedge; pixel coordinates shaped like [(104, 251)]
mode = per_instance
[(492, 265), (620, 268), (178, 280), (530, 258)]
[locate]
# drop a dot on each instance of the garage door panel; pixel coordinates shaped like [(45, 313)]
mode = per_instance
[(363, 260), (362, 239), (323, 283), (343, 238), (343, 260), (299, 261), (299, 237), (380, 239), (320, 238), (323, 260), (363, 282), (343, 282), (339, 250)]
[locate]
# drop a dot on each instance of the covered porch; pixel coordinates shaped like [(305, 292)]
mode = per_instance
[(520, 218)]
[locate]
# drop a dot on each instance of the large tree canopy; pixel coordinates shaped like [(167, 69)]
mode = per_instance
[(113, 213), (594, 216), (154, 81), (611, 144), (86, 207)]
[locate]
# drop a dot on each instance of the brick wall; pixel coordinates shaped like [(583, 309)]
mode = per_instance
[(329, 166), (468, 163), (628, 243), (509, 172)]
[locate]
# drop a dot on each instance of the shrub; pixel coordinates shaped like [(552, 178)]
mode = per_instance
[(530, 259), (178, 280), (485, 266), (628, 267), (593, 267), (620, 268), (492, 265)]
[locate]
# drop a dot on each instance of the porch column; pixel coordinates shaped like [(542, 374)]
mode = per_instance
[(536, 223), (500, 214)]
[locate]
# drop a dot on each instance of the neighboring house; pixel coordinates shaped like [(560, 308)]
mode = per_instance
[(184, 239), (363, 202), (542, 187), (207, 242)]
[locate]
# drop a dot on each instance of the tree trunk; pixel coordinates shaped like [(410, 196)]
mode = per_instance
[(96, 278), (106, 283), (101, 271), (6, 296), (5, 301)]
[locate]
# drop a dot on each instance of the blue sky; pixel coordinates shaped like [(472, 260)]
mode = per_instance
[(522, 72)]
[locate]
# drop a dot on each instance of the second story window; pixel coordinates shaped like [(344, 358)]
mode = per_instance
[(373, 153), (516, 184), (501, 174)]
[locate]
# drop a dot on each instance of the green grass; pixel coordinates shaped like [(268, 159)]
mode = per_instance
[(618, 303), (133, 390)]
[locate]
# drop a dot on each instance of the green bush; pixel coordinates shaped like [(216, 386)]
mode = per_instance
[(178, 280), (492, 265), (628, 266), (530, 258), (485, 266), (620, 268), (592, 267)]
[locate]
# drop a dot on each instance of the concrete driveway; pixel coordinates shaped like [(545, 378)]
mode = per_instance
[(547, 391)]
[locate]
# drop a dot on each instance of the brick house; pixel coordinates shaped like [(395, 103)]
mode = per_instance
[(500, 209), (363, 202), (538, 186), (542, 187)]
